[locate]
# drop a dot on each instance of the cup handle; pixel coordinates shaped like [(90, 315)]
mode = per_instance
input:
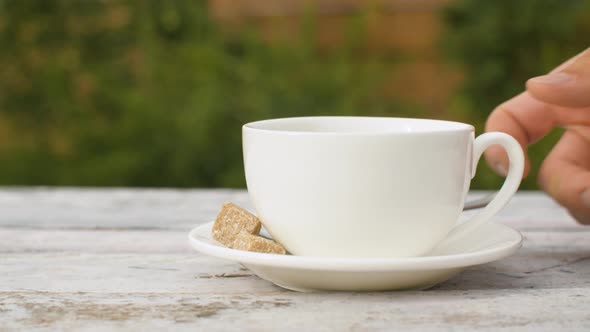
[(511, 183)]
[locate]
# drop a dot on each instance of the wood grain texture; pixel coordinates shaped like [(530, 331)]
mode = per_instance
[(103, 260), (492, 310), (148, 209), (542, 263)]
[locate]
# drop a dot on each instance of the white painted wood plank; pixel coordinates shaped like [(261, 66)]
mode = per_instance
[(166, 241), (548, 260), (76, 208), (533, 210), (93, 241), (129, 273), (487, 310), (100, 260), (53, 208)]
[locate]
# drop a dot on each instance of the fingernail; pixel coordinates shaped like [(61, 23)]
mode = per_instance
[(554, 78), (500, 169), (585, 197)]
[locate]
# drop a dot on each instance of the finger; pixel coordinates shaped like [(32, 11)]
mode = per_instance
[(580, 217), (565, 173), (568, 85), (565, 116), (524, 118)]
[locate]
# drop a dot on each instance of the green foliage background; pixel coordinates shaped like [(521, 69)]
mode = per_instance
[(153, 93), (499, 45)]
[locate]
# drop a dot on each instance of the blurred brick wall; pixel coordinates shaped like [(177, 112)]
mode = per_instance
[(407, 30)]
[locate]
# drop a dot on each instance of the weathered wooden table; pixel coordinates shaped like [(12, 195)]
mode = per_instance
[(107, 259)]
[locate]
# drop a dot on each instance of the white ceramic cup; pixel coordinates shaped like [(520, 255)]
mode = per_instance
[(368, 187)]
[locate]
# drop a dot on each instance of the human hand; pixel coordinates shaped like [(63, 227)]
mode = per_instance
[(559, 99)]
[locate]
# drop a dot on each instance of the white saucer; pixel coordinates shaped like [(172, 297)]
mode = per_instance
[(301, 273)]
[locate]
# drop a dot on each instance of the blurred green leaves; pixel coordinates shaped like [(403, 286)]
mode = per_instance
[(501, 44), (153, 94)]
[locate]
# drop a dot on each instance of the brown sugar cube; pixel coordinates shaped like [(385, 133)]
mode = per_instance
[(249, 242), (230, 221)]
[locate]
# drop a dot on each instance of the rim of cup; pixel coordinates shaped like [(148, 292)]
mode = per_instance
[(350, 125)]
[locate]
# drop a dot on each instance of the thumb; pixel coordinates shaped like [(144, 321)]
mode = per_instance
[(568, 85)]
